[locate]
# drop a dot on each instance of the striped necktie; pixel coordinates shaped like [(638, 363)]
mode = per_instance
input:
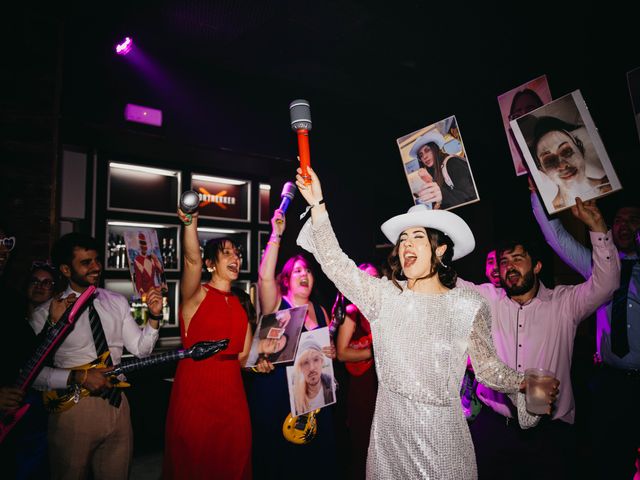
[(113, 395)]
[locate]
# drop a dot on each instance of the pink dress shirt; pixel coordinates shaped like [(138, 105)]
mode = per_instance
[(541, 332)]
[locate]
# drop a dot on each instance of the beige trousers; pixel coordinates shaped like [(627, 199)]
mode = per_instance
[(91, 436)]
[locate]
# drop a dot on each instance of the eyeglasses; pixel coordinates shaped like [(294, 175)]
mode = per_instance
[(8, 242), (46, 283), (551, 161)]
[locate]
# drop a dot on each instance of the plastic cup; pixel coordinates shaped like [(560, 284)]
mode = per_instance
[(539, 384)]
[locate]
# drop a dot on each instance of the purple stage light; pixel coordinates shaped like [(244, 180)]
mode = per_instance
[(140, 114), (124, 47)]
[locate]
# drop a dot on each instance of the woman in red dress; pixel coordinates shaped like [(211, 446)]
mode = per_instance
[(355, 349), (208, 432)]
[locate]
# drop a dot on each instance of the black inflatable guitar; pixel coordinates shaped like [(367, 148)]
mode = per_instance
[(31, 369), (56, 401)]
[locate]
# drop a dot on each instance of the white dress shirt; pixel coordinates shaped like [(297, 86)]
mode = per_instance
[(78, 348)]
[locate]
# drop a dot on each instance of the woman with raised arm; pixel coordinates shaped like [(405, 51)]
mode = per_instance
[(423, 328), (208, 431), (273, 455)]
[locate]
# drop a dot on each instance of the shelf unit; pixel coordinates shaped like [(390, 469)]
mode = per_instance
[(132, 193)]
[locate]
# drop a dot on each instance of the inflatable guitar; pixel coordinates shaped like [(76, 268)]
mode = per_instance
[(56, 401), (301, 429), (33, 366)]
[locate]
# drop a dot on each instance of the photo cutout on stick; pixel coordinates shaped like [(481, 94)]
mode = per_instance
[(517, 102), (311, 380), (564, 153), (434, 158), (277, 335), (145, 261)]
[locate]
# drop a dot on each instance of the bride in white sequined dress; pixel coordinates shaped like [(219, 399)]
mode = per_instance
[(423, 329)]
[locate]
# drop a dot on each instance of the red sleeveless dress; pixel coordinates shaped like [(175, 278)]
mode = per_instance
[(208, 431)]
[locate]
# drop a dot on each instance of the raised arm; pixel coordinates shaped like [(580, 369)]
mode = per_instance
[(585, 298), (269, 294), (318, 237), (572, 252), (192, 259)]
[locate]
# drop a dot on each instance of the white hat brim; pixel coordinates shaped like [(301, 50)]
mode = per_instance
[(450, 223), (432, 136)]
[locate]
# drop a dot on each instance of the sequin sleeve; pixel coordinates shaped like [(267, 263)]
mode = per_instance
[(358, 286), (491, 371)]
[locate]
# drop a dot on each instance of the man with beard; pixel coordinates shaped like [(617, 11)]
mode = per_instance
[(615, 386), (95, 434), (312, 388), (534, 326)]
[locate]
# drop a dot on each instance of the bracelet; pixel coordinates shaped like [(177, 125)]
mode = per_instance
[(275, 244), (189, 219), (309, 207), (155, 317)]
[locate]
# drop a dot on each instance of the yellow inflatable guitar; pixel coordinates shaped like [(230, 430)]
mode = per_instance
[(56, 401), (301, 429)]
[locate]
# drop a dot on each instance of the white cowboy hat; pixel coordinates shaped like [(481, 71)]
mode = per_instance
[(432, 135), (447, 222)]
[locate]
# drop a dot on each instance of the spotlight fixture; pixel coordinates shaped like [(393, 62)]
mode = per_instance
[(140, 114), (124, 47)]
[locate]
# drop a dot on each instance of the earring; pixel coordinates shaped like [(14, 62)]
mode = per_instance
[(211, 269)]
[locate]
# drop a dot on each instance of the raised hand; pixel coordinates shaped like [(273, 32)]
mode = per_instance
[(589, 213), (278, 222), (312, 192), (187, 218)]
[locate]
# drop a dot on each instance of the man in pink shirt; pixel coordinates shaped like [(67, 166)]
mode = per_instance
[(534, 326)]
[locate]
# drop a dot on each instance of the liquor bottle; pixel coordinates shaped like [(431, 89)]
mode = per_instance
[(122, 253), (136, 308), (111, 251), (171, 255), (164, 252), (166, 311)]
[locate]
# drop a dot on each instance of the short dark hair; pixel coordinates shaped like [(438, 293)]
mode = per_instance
[(62, 251), (510, 245), (545, 125), (215, 246)]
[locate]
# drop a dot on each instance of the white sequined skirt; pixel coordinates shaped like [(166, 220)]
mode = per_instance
[(410, 440)]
